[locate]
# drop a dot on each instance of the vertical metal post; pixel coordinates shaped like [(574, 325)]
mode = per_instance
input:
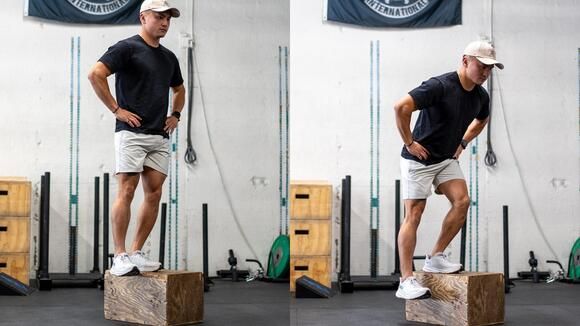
[(44, 227), (463, 244), (374, 245), (506, 258), (105, 222), (162, 234), (72, 256), (397, 225), (342, 245), (205, 248), (96, 205), (346, 228)]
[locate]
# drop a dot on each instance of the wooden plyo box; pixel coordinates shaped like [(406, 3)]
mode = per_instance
[(317, 268), (14, 235), (155, 298), (15, 265), (459, 299), (310, 200), (14, 196), (310, 237)]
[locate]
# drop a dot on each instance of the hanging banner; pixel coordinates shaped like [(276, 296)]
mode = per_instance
[(395, 13), (111, 12)]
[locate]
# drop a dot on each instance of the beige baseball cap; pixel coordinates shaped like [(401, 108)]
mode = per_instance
[(159, 6), (484, 52)]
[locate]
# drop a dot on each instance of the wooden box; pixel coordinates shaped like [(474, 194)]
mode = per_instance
[(459, 299), (14, 197), (14, 235), (310, 200), (155, 298), (310, 237), (317, 268), (15, 265)]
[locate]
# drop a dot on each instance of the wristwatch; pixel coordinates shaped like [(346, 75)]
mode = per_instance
[(464, 143), (176, 114)]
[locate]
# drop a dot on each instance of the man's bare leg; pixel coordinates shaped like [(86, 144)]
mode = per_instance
[(152, 188), (456, 192), (121, 210), (408, 234)]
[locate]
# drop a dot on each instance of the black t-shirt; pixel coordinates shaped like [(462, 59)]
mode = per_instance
[(446, 110), (143, 76)]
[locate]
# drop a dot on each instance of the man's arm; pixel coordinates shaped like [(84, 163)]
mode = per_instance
[(178, 102), (403, 110), (178, 98), (98, 78), (474, 129)]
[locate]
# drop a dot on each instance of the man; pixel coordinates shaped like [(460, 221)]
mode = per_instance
[(144, 72), (454, 109)]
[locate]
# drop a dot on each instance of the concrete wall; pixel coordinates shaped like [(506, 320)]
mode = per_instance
[(237, 52), (534, 124)]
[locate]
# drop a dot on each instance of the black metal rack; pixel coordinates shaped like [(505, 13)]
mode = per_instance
[(45, 280), (347, 282)]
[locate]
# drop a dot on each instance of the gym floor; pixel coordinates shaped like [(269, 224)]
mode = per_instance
[(258, 303)]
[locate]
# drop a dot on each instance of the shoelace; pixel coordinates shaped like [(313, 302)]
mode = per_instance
[(444, 255), (124, 258), (412, 281)]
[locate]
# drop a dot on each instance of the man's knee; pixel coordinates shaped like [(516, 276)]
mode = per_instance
[(462, 203), (413, 215), (153, 196), (127, 192)]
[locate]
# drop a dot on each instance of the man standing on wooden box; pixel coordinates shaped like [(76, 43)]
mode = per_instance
[(145, 71), (454, 109)]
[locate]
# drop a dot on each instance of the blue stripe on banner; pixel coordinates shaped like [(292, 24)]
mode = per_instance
[(385, 13)]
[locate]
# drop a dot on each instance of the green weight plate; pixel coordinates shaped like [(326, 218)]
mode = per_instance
[(574, 261), (279, 261)]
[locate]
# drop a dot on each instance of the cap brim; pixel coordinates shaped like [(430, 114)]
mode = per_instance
[(173, 11), (490, 61)]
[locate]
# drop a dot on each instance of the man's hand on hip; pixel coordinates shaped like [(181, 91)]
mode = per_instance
[(418, 150), (128, 117)]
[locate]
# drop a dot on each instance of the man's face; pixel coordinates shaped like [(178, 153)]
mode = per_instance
[(476, 71), (156, 23)]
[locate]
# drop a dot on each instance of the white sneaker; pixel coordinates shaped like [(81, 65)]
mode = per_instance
[(439, 263), (410, 289), (143, 263), (122, 266)]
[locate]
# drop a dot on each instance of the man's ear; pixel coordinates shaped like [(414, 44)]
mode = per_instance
[(142, 18), (464, 60)]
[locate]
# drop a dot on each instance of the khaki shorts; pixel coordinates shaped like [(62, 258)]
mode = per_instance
[(417, 178), (133, 151)]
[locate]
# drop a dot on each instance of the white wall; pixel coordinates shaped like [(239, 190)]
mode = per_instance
[(237, 51), (237, 48), (535, 99)]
